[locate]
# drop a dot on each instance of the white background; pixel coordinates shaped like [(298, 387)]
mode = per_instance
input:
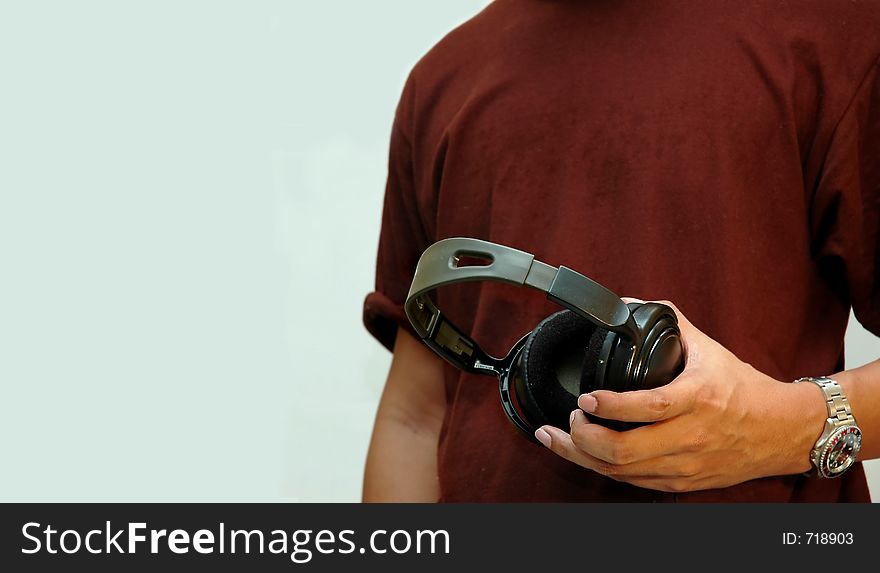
[(190, 197)]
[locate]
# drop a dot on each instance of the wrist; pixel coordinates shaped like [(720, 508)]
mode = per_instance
[(809, 415), (838, 446), (847, 381)]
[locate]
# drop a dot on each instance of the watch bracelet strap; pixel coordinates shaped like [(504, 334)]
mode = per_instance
[(836, 401), (839, 410)]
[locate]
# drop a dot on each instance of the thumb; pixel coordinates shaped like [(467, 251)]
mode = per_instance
[(692, 337), (686, 326)]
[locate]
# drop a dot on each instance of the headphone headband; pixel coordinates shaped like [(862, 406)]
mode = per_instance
[(439, 266)]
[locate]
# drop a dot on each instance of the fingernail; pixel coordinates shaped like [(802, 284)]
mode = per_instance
[(579, 417), (587, 403), (543, 437), (571, 417)]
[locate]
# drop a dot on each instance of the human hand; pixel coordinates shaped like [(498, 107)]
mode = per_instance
[(719, 423)]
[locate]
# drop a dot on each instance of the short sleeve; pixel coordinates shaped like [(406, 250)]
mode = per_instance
[(846, 209), (402, 237)]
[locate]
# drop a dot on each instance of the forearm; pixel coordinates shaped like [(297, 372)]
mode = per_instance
[(721, 422), (805, 419), (802, 422), (862, 387), (402, 462)]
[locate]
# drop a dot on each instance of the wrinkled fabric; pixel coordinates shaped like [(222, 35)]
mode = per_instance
[(721, 155)]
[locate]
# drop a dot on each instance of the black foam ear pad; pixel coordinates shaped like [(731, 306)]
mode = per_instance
[(590, 364), (554, 358)]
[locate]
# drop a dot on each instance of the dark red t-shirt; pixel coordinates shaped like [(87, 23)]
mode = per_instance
[(722, 155)]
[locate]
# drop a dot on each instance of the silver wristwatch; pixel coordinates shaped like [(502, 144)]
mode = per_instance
[(841, 438)]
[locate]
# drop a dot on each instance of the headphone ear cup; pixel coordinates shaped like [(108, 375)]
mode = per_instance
[(551, 367), (661, 354)]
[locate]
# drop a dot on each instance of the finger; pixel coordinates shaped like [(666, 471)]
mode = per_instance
[(560, 443), (688, 330), (692, 338), (663, 403), (635, 446), (665, 467), (665, 484), (696, 344), (671, 484), (683, 322)]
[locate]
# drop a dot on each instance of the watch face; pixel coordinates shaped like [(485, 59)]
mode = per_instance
[(841, 450)]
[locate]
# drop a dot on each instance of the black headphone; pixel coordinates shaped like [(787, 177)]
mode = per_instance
[(600, 342)]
